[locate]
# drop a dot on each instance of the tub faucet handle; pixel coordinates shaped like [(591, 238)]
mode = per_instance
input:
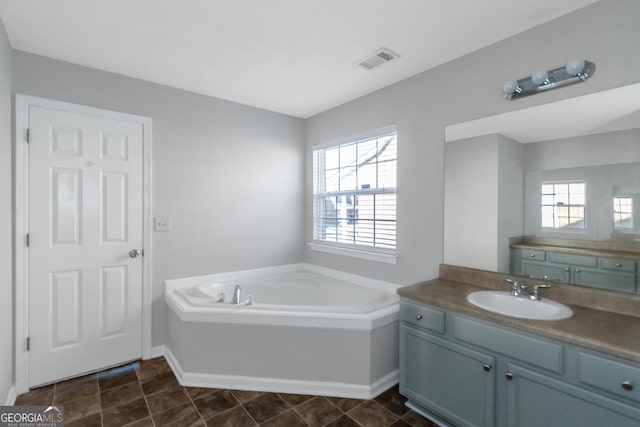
[(236, 295), (220, 297)]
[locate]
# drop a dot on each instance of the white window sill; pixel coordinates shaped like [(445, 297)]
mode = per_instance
[(388, 258)]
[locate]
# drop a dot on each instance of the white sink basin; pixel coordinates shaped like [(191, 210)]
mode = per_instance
[(524, 308)]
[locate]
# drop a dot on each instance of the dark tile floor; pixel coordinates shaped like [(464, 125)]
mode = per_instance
[(146, 393)]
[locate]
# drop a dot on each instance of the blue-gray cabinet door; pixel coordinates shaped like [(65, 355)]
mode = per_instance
[(535, 400), (452, 381), (624, 282)]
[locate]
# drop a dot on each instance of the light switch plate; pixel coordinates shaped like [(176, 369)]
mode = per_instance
[(162, 223)]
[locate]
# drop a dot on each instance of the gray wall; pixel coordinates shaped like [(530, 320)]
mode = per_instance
[(483, 193), (510, 192), (471, 202), (6, 221), (465, 89), (229, 176)]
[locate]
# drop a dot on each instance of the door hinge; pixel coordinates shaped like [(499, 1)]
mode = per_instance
[(28, 135), (27, 239), (142, 252), (28, 343)]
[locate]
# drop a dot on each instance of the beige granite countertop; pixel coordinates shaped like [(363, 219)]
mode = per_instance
[(604, 331)]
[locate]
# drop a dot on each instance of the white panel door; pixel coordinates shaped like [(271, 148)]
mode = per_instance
[(85, 216)]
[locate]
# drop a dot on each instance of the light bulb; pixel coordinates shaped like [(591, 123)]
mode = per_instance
[(575, 68), (510, 87), (539, 77)]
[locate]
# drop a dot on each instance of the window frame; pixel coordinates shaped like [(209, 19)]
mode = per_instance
[(375, 253), (565, 229), (629, 229)]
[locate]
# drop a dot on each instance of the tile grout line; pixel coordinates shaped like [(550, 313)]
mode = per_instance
[(397, 417), (100, 400), (144, 396), (184, 389), (247, 412), (322, 397), (293, 408), (245, 409)]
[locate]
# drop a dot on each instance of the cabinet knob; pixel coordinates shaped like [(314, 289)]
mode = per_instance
[(508, 376), (627, 385), (618, 265), (532, 255), (418, 316), (577, 270), (486, 367)]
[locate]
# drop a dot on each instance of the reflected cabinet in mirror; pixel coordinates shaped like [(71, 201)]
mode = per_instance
[(550, 192)]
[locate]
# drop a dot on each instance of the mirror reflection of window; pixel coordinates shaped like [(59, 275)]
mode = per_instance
[(563, 205), (622, 212)]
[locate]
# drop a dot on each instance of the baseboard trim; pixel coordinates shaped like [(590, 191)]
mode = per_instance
[(157, 351), (277, 385), (11, 396)]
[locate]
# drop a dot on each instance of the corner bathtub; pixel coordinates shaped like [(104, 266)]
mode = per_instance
[(309, 330)]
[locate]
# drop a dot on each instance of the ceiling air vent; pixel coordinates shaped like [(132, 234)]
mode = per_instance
[(381, 56)]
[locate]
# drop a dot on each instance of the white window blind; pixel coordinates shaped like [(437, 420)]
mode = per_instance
[(354, 193)]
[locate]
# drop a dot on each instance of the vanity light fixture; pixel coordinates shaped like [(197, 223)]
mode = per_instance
[(574, 72)]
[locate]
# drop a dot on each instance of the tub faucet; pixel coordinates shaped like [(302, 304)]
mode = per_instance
[(235, 299)]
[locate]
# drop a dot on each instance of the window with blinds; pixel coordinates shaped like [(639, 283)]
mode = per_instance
[(622, 212), (354, 193), (563, 205)]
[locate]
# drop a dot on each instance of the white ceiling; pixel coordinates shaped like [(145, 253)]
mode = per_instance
[(600, 112), (291, 56)]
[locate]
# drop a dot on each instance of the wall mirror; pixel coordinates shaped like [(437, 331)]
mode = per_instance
[(565, 174)]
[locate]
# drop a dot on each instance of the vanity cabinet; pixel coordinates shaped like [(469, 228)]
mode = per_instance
[(455, 381), (602, 271), (471, 372), (538, 400)]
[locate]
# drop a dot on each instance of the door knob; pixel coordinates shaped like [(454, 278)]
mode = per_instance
[(133, 253)]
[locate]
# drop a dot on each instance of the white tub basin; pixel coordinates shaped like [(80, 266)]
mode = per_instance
[(524, 308)]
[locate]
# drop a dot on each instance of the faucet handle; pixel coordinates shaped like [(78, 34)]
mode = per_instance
[(516, 287), (536, 290)]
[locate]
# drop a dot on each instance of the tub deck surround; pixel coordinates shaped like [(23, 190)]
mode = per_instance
[(310, 330), (598, 329), (299, 294)]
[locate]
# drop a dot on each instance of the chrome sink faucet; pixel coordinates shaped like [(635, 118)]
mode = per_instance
[(520, 289)]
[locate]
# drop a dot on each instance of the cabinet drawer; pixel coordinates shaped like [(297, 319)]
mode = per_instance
[(533, 254), (528, 349), (618, 378), (542, 270), (422, 317), (618, 264), (573, 259)]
